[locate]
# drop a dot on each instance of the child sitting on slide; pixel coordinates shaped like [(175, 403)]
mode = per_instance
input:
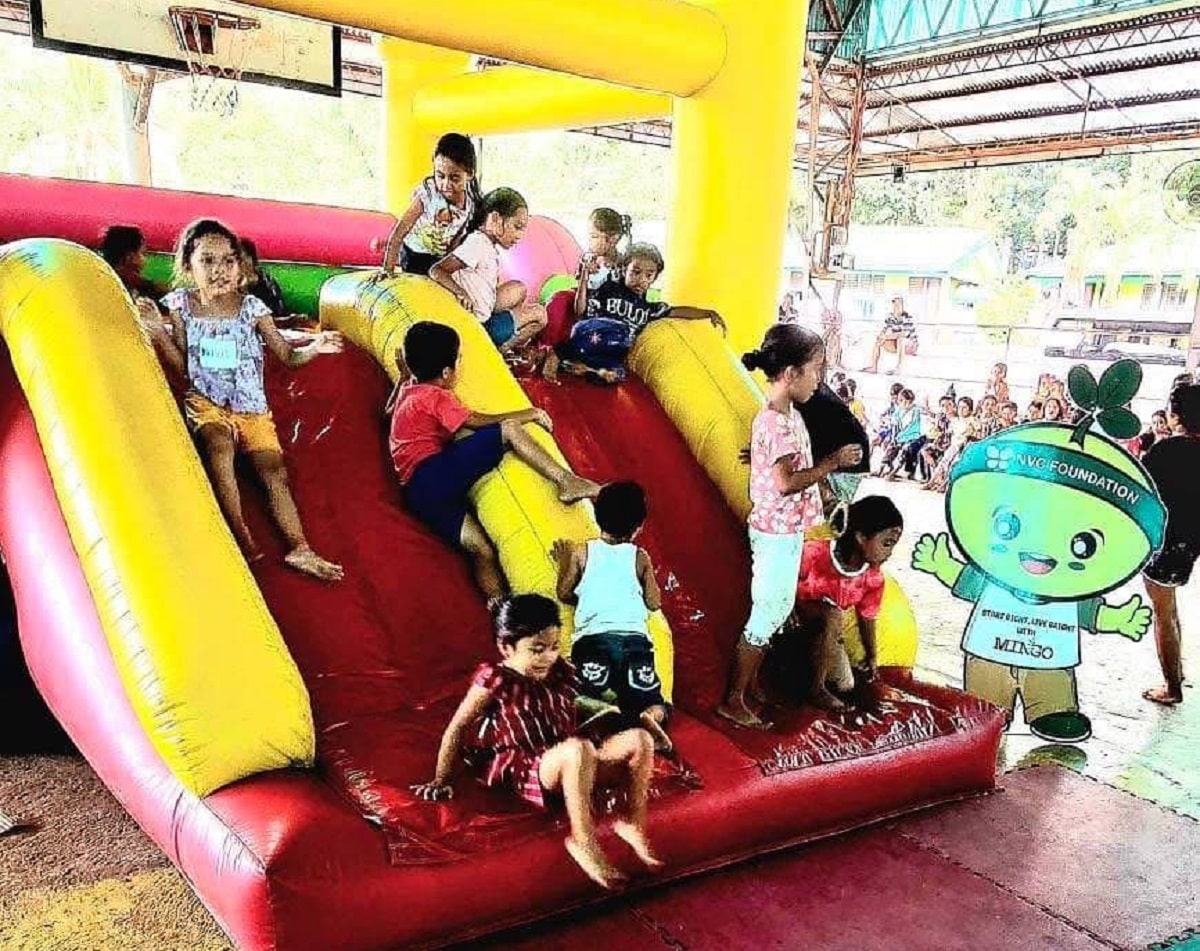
[(611, 582), (517, 728), (441, 213), (471, 272), (440, 448), (610, 318), (845, 575), (216, 338)]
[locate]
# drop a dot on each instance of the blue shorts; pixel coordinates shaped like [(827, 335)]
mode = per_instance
[(501, 327), (437, 491), (600, 343), (618, 668)]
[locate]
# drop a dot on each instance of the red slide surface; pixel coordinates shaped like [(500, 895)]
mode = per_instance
[(286, 860), (284, 231)]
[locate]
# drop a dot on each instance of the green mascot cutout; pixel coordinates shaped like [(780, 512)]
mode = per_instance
[(1049, 517)]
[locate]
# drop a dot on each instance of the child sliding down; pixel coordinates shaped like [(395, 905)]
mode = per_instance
[(440, 448), (611, 581), (845, 575), (516, 727), (215, 339)]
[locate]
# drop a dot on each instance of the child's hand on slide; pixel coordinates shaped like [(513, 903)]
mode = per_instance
[(433, 791), (560, 551), (329, 341), (717, 321), (540, 417), (744, 456)]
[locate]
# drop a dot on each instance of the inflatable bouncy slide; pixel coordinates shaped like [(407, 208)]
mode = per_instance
[(263, 728)]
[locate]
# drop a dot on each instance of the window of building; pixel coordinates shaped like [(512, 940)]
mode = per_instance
[(1173, 295), (1149, 295)]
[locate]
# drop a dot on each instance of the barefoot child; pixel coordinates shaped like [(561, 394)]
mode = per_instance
[(440, 448), (610, 318), (844, 575), (785, 498), (441, 212), (611, 582), (519, 718), (216, 338), (471, 272)]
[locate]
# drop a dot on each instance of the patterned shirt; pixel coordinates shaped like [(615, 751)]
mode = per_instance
[(524, 719), (777, 436), (902, 324), (440, 223), (225, 354)]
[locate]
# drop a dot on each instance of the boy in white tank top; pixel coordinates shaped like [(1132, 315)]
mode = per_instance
[(611, 582)]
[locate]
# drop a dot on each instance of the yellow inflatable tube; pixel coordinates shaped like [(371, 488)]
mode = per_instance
[(712, 400), (518, 508), (200, 656)]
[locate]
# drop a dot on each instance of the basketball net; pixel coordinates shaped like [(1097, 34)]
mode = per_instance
[(215, 46)]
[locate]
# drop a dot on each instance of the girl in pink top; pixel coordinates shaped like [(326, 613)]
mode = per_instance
[(785, 499)]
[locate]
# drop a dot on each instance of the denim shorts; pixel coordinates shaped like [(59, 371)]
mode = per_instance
[(437, 491), (501, 327)]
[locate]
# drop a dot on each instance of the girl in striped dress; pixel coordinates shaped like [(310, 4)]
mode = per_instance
[(517, 725)]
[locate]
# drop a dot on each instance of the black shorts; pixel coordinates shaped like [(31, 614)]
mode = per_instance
[(416, 262), (1172, 566), (618, 668)]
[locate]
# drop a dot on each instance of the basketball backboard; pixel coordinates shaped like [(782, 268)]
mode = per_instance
[(281, 50)]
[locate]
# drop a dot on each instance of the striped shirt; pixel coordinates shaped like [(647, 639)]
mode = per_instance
[(902, 324), (524, 719)]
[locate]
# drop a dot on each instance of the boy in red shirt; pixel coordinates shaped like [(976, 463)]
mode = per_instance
[(441, 448)]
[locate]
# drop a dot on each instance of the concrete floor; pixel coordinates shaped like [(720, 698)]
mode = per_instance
[(1148, 750)]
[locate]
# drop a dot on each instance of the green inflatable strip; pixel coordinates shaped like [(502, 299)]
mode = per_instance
[(300, 283)]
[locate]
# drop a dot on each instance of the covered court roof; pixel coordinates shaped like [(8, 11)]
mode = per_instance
[(955, 83), (963, 83)]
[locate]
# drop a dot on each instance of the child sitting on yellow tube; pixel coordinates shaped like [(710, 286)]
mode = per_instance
[(471, 272), (610, 318), (441, 448)]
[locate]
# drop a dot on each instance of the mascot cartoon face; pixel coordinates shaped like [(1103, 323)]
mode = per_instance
[(1050, 519)]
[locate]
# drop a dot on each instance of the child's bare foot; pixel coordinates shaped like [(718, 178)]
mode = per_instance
[(306, 560), (662, 742), (1167, 695), (741, 715), (575, 489), (822, 699), (635, 838), (595, 866)]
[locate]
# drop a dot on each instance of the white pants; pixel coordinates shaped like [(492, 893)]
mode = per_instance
[(774, 574)]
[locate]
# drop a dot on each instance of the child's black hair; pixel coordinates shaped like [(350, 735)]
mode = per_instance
[(896, 389), (250, 250), (620, 509), (429, 349), (869, 516), (645, 251), (907, 394), (1009, 404), (970, 402), (191, 236), (785, 345), (120, 241), (1185, 405), (523, 615), (612, 223), (460, 150), (505, 202)]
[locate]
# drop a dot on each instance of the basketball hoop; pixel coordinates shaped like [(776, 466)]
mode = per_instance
[(215, 45)]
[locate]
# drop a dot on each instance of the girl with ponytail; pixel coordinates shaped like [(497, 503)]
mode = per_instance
[(785, 500)]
